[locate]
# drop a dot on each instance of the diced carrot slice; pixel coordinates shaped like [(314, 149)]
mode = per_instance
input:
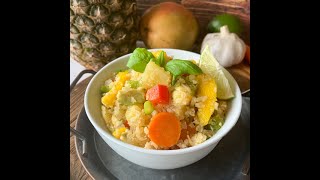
[(164, 129)]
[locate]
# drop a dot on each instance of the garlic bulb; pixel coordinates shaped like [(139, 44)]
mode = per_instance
[(226, 47)]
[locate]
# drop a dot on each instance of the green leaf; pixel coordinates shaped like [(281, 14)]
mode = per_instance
[(160, 60), (178, 67), (139, 59)]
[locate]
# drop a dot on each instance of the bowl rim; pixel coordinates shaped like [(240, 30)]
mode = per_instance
[(214, 139)]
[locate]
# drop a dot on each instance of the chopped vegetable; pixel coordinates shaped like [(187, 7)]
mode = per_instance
[(133, 84), (110, 97), (104, 89), (153, 75), (148, 107), (207, 87), (118, 132), (164, 129), (215, 123), (139, 59), (159, 94), (179, 67), (130, 97)]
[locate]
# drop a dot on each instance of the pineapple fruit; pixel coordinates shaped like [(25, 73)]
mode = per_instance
[(102, 30), (153, 75)]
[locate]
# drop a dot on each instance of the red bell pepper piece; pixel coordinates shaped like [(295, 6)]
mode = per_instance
[(158, 94), (126, 124)]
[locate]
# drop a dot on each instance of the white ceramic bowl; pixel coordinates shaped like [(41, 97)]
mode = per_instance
[(156, 159)]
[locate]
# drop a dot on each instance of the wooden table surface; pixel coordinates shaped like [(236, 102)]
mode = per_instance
[(77, 172), (240, 72)]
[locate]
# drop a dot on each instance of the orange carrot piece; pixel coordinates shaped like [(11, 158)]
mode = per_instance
[(164, 129)]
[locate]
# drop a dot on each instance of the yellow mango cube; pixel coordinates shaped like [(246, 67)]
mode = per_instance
[(207, 87), (153, 75), (110, 97), (118, 132)]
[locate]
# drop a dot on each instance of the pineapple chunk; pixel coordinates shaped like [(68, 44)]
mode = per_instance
[(153, 75), (110, 97), (118, 132), (182, 95), (166, 57), (207, 87)]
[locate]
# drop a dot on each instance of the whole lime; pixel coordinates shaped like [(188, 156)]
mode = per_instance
[(233, 23)]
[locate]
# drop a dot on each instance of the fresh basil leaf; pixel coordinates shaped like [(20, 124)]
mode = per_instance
[(160, 60), (178, 67), (139, 59)]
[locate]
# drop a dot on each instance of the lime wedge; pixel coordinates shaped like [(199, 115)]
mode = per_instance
[(209, 65)]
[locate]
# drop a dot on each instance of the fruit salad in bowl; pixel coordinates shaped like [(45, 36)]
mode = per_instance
[(164, 103), (163, 108)]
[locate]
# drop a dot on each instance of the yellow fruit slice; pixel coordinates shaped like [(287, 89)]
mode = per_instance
[(209, 65), (110, 97), (207, 87)]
